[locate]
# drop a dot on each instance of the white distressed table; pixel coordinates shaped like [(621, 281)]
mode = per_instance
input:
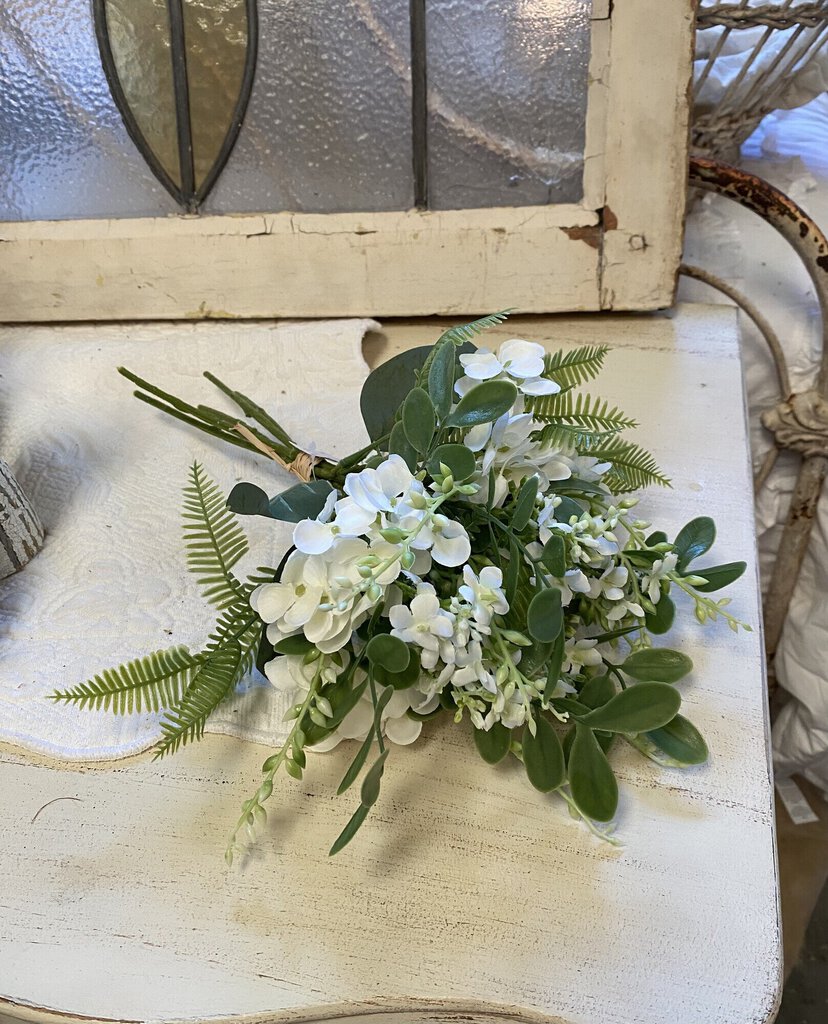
[(467, 896)]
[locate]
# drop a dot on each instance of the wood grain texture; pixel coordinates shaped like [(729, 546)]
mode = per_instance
[(468, 895)]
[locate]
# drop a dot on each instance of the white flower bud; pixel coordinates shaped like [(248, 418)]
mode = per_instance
[(407, 559)]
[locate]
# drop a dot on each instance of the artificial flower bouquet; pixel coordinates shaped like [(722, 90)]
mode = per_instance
[(476, 559)]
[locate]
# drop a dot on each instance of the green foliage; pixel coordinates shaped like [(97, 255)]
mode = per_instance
[(594, 415), (658, 663), (553, 556), (632, 467), (213, 538), (678, 744), (385, 390), (524, 504), (694, 539), (302, 501), (544, 619), (661, 620), (418, 419), (398, 444), (483, 403), (637, 709), (591, 780), (543, 756), (468, 332), (150, 683), (719, 576), (569, 369), (388, 652), (493, 744), (441, 377), (457, 457)]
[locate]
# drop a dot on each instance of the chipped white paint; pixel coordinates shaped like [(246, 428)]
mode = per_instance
[(537, 259), (467, 896)]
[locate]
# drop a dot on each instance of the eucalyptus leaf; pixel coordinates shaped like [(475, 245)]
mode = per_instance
[(510, 581), (398, 444), (657, 663), (544, 619), (418, 419), (399, 680), (350, 830), (441, 377), (553, 557), (524, 504), (248, 500), (388, 652), (385, 390), (543, 756), (493, 745), (693, 540), (639, 708), (661, 621), (304, 501), (459, 459), (369, 794), (483, 403), (591, 780), (719, 576)]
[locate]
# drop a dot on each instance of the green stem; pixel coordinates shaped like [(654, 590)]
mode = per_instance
[(250, 408)]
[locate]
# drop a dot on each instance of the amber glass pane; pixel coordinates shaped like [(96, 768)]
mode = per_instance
[(139, 33), (216, 38)]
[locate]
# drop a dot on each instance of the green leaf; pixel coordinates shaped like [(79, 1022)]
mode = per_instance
[(544, 619), (441, 377), (680, 743), (214, 680), (534, 658), (248, 500), (155, 681), (298, 644), (388, 652), (567, 509), (524, 504), (719, 576), (697, 537), (350, 830), (493, 745), (639, 708), (399, 680), (633, 468), (576, 366), (579, 410), (303, 501), (418, 419), (657, 663), (543, 756), (369, 794), (659, 537), (467, 332), (553, 556), (605, 741), (459, 459), (662, 621), (398, 444), (591, 780), (385, 389), (556, 656), (597, 691), (214, 539), (484, 403), (510, 580)]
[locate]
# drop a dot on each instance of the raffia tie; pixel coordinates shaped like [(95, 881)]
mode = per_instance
[(301, 466)]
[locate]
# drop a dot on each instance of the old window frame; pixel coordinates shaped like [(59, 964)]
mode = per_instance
[(619, 248)]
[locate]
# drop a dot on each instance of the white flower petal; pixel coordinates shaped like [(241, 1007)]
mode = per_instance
[(522, 358), (481, 365), (539, 386), (312, 537), (270, 601), (403, 731)]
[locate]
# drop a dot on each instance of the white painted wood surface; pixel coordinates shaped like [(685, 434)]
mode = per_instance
[(467, 896), (619, 248)]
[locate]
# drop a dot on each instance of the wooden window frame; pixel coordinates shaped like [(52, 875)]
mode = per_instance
[(619, 248)]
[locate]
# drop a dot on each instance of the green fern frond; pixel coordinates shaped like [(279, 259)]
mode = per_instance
[(214, 680), (569, 369), (150, 683), (568, 438), (215, 541), (581, 410), (467, 332), (237, 624), (632, 466)]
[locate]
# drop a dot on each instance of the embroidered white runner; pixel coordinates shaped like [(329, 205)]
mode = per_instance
[(106, 474)]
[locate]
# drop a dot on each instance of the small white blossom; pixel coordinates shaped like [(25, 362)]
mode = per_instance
[(520, 361), (651, 583)]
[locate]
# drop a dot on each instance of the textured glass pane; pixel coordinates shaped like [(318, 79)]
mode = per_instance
[(64, 151), (507, 101), (216, 38), (139, 35), (329, 122)]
